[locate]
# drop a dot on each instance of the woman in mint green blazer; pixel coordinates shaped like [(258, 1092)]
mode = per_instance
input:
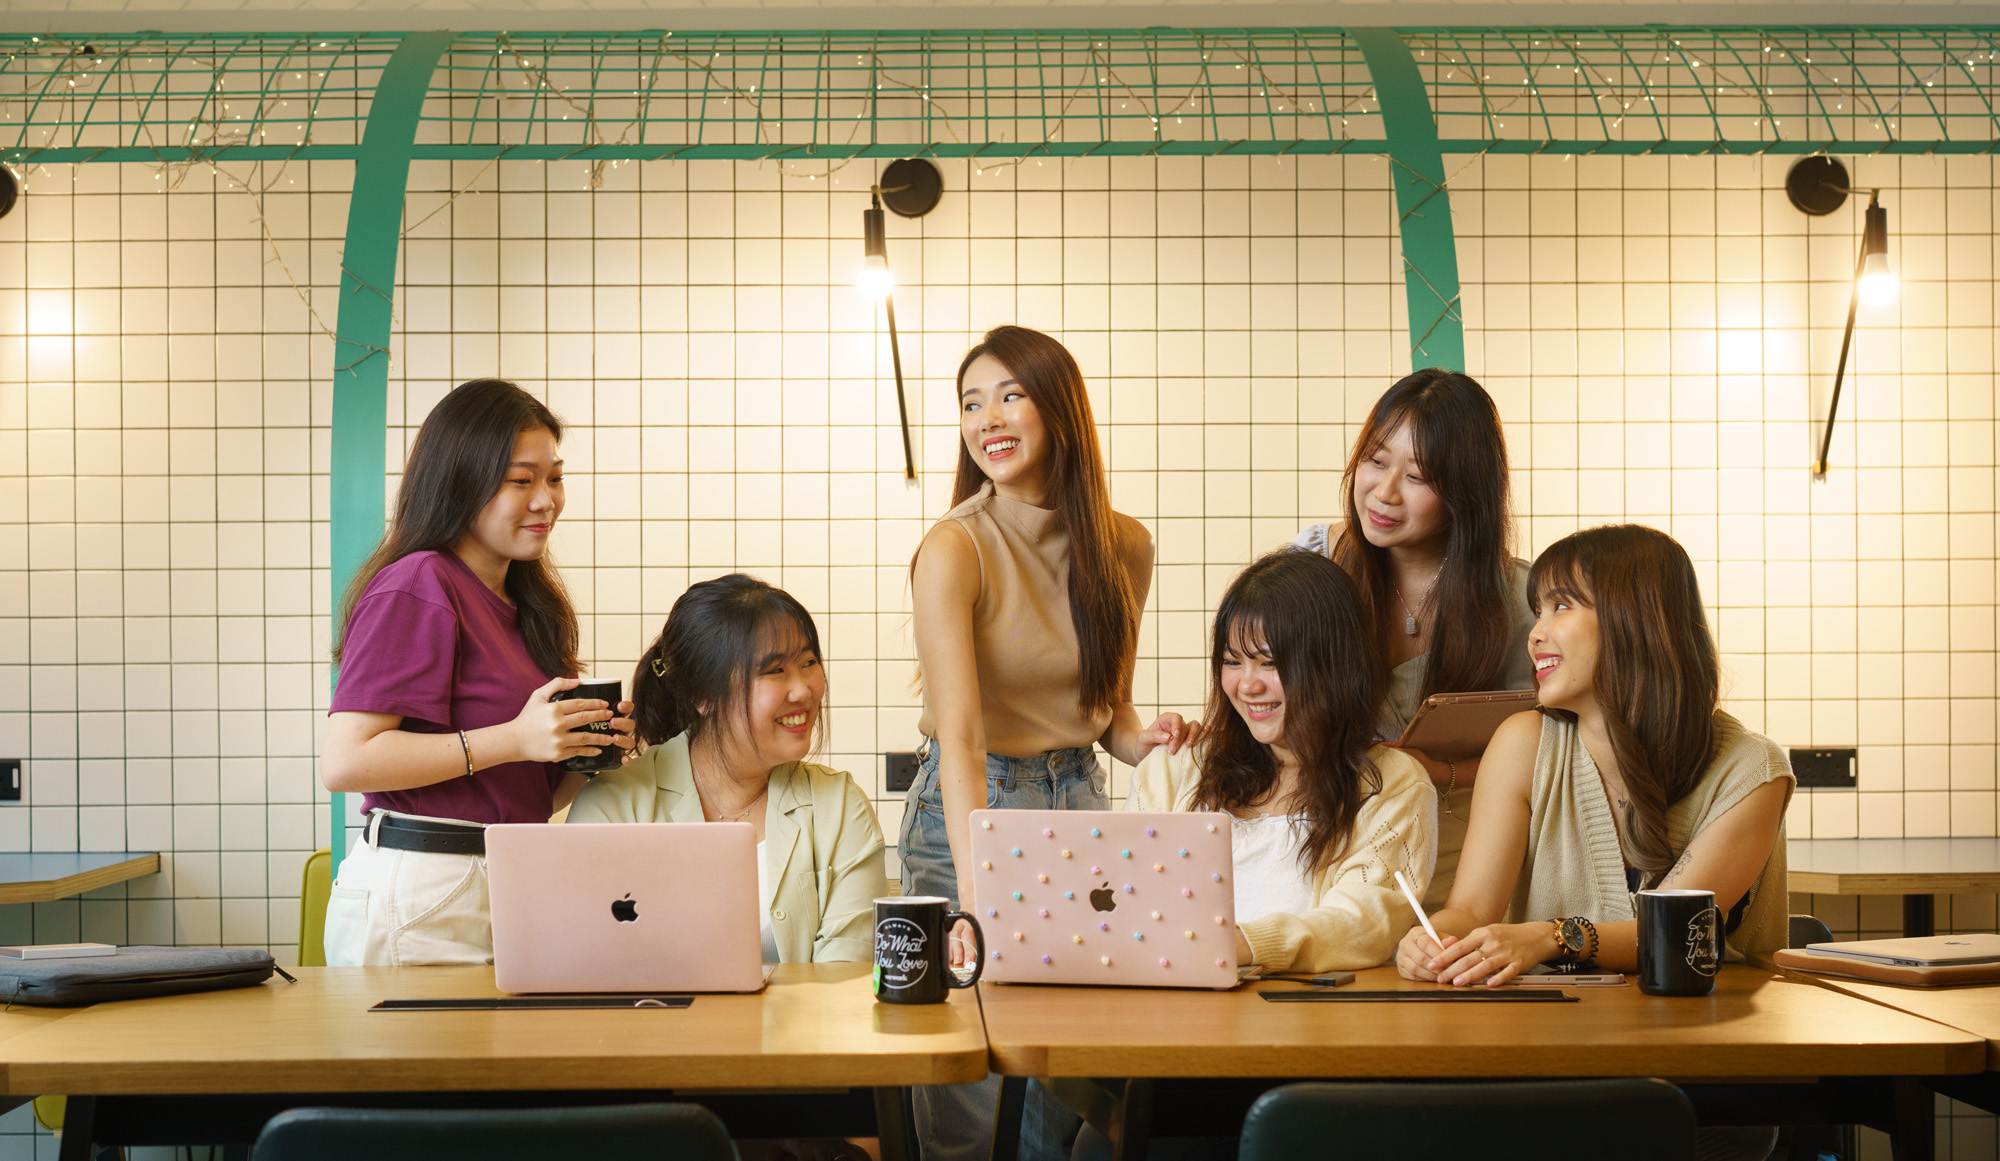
[(728, 701)]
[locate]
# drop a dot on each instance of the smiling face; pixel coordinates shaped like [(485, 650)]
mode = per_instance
[(1003, 431), (1249, 679), (1397, 507), (782, 706), (1564, 644), (515, 524)]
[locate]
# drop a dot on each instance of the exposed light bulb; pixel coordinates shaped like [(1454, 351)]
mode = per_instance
[(1878, 282), (875, 281)]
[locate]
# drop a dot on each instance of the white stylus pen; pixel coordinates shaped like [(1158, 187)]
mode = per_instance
[(1421, 917)]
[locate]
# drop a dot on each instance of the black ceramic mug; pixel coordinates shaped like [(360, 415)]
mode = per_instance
[(1680, 942), (912, 963), (608, 756)]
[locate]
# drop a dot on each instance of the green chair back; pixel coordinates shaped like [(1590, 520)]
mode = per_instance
[(655, 1132), (1630, 1118), (315, 888)]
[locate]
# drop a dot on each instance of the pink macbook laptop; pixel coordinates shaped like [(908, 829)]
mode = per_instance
[(1105, 897), (631, 907)]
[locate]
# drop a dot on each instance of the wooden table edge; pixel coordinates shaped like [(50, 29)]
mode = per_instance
[(1965, 1058), (1838, 984), (1891, 883), (554, 1074), (49, 890)]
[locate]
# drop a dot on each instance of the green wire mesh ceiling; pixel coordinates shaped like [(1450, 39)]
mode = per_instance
[(799, 97)]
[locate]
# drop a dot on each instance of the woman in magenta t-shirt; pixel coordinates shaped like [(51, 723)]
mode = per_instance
[(454, 635)]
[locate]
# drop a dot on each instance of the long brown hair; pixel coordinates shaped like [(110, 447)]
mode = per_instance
[(1658, 682), (457, 463), (1303, 608), (1102, 605), (1455, 432)]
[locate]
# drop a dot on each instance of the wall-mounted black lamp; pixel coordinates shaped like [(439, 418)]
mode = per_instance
[(910, 187), (1818, 186)]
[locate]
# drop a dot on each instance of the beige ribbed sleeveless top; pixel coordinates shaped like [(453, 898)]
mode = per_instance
[(1575, 866), (1028, 661)]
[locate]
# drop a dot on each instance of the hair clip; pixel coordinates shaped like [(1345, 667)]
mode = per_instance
[(659, 667)]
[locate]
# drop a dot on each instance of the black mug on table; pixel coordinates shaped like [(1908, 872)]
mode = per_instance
[(1680, 942), (912, 964), (607, 756)]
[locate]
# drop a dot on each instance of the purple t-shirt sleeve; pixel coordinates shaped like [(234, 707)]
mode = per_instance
[(398, 658)]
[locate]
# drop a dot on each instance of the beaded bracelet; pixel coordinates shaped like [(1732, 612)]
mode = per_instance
[(466, 743)]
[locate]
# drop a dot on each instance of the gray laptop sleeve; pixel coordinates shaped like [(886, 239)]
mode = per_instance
[(132, 973)]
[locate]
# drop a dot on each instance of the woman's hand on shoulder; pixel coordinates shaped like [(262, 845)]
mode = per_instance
[(1170, 730)]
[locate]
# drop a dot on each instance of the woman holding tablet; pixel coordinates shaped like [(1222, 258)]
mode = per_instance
[(1630, 777), (1026, 601), (728, 703), (1425, 536), (454, 635)]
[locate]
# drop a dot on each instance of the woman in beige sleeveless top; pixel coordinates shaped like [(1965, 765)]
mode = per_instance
[(1629, 777), (1425, 536), (1026, 611)]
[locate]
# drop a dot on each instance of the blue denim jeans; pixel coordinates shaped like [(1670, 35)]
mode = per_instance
[(1057, 780), (955, 1121)]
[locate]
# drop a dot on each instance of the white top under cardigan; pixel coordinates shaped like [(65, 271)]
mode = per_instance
[(1357, 913)]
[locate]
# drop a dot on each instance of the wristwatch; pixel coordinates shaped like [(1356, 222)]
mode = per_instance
[(1572, 941)]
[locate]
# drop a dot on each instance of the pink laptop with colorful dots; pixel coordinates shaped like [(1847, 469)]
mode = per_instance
[(1105, 897)]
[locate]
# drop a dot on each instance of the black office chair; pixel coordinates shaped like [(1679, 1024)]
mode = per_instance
[(1805, 929), (655, 1132), (1629, 1118)]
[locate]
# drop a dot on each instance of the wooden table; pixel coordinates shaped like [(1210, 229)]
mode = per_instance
[(1974, 1008), (1915, 868), (1755, 1025), (43, 876), (19, 1021), (225, 1061)]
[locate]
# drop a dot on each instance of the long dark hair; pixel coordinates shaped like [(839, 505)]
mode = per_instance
[(1455, 431), (1305, 610), (1102, 605), (1658, 682), (708, 653), (457, 463)]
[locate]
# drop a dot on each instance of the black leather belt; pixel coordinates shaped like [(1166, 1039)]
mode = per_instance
[(440, 838)]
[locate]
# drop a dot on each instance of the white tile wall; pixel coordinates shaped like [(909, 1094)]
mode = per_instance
[(1659, 335)]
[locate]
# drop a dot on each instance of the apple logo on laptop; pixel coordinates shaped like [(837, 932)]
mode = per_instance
[(625, 910), (1102, 899)]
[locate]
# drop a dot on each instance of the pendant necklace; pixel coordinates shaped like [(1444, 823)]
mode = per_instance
[(722, 815), (1409, 618)]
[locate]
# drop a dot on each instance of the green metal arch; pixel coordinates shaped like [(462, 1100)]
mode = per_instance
[(361, 348), (1423, 204)]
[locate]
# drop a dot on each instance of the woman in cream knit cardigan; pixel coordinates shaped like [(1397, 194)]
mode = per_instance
[(1630, 777), (1321, 816)]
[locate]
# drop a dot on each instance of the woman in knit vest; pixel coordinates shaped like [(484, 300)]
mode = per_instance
[(1425, 536), (1026, 602), (1629, 777)]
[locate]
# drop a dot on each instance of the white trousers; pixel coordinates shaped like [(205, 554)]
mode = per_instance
[(393, 908)]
